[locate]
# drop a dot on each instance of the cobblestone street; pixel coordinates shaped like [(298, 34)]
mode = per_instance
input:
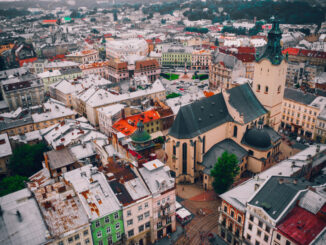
[(204, 207)]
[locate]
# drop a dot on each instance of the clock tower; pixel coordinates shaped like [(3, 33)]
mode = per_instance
[(270, 75)]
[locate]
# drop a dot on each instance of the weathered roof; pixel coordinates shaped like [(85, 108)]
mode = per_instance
[(60, 158), (229, 61), (5, 147), (299, 96), (301, 226), (277, 193), (211, 156)]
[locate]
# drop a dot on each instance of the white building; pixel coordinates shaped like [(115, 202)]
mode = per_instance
[(124, 48)]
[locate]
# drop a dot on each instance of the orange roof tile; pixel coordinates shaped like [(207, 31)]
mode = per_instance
[(128, 125)]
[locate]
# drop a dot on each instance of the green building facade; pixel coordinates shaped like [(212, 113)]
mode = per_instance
[(108, 229)]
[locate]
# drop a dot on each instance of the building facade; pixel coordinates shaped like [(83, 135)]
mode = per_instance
[(270, 76)]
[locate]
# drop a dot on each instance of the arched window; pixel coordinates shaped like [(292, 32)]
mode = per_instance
[(184, 158), (204, 139), (279, 89), (174, 150), (235, 131), (258, 87), (266, 89)]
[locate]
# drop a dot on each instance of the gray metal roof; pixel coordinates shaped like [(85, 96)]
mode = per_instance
[(211, 156), (229, 61), (275, 196), (299, 96), (208, 113), (243, 99)]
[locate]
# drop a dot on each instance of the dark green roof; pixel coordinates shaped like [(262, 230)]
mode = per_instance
[(140, 135), (208, 113), (273, 49), (274, 196)]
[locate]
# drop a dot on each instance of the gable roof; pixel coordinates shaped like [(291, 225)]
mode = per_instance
[(208, 113), (277, 193), (199, 117), (243, 99), (299, 96)]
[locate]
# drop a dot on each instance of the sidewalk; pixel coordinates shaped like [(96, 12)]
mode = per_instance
[(173, 237)]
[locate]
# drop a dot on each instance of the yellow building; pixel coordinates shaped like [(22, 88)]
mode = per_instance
[(300, 111)]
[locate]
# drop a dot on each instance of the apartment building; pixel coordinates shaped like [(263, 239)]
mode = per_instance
[(223, 70), (176, 56), (162, 186), (99, 202), (83, 57), (23, 121), (22, 90), (101, 98), (96, 68), (316, 58), (135, 198), (300, 111), (149, 68), (201, 59), (64, 215), (50, 77)]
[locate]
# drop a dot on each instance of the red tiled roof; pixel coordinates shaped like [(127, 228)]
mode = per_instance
[(49, 21), (304, 52), (124, 126), (301, 226)]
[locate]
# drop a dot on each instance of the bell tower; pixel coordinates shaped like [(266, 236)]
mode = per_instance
[(270, 75)]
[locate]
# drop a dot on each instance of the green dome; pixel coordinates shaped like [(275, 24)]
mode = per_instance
[(140, 135)]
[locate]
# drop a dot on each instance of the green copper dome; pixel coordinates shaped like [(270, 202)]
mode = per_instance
[(140, 135), (273, 50)]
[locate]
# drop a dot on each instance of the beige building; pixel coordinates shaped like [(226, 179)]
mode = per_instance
[(270, 76), (23, 91), (201, 59), (84, 57), (232, 121), (224, 69), (320, 127), (300, 111)]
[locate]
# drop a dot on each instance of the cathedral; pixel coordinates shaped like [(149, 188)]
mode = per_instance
[(242, 120)]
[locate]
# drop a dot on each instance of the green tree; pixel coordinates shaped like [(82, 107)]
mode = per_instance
[(11, 184), (27, 159), (224, 172)]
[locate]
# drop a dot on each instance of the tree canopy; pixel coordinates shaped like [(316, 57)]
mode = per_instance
[(11, 184), (27, 159), (224, 172)]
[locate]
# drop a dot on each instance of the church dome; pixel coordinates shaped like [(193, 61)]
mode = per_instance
[(140, 135), (257, 138)]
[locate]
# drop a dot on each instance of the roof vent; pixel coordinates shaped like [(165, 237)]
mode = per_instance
[(199, 119), (281, 181), (202, 107), (19, 216)]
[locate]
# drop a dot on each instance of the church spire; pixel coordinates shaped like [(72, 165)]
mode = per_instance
[(273, 50)]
